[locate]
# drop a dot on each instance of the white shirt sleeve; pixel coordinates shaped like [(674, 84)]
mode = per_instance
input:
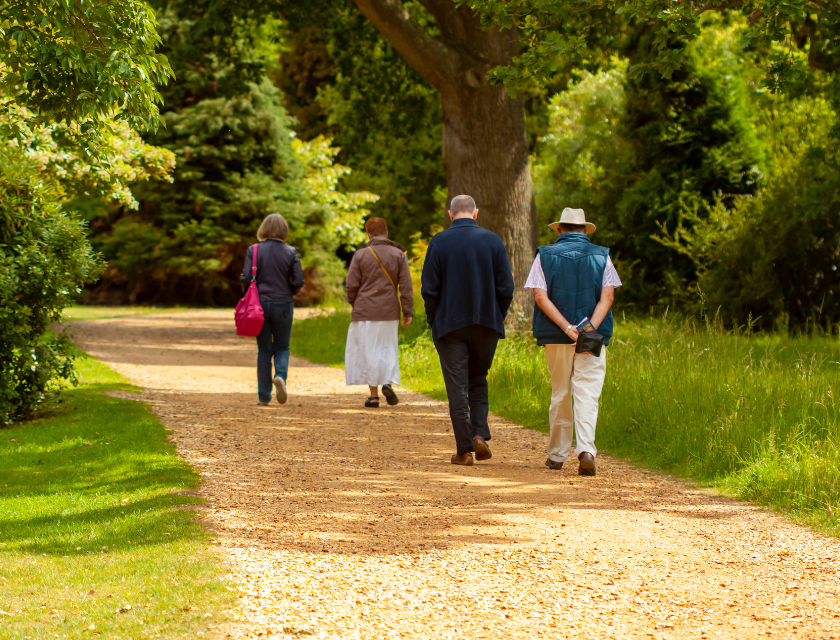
[(536, 278), (611, 278)]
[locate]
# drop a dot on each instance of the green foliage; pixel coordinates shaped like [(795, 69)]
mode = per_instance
[(237, 161), (794, 35), (342, 79), (751, 414), (82, 62), (634, 152), (122, 157), (95, 501), (44, 259)]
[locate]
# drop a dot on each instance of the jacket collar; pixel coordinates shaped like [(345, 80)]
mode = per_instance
[(463, 222), (383, 240), (573, 237)]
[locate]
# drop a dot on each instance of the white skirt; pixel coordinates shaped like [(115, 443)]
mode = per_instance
[(372, 354)]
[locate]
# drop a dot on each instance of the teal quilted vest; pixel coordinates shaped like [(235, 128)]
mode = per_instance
[(574, 271)]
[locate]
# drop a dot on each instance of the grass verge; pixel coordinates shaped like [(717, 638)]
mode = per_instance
[(95, 539), (752, 415), (83, 312)]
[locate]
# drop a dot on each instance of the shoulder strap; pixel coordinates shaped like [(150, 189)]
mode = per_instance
[(387, 275), (254, 265)]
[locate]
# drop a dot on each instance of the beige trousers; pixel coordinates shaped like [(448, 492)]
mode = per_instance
[(578, 375)]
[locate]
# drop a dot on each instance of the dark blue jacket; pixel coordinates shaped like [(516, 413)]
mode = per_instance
[(279, 276), (466, 279), (574, 274)]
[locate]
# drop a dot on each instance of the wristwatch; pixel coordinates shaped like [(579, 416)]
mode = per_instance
[(566, 330)]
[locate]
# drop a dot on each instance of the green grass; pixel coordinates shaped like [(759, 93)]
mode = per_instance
[(322, 338), (752, 415), (94, 516), (99, 313)]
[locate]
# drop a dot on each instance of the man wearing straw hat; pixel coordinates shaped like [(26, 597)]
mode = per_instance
[(572, 280)]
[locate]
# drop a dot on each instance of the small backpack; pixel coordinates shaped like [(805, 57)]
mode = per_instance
[(249, 311)]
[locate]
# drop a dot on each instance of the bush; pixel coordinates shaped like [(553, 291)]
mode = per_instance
[(44, 259)]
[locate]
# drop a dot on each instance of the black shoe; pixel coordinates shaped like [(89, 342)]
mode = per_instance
[(553, 465), (389, 394), (587, 464), (262, 404), (373, 401)]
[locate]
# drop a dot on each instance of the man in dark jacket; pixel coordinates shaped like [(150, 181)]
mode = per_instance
[(467, 287)]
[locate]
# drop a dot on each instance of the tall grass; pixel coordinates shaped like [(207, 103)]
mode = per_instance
[(754, 415)]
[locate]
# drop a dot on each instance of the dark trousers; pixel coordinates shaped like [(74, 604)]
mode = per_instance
[(273, 342), (465, 357)]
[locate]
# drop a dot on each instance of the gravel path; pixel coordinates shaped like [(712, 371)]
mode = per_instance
[(342, 522)]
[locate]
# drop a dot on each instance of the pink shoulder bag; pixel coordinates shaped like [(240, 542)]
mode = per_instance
[(249, 311)]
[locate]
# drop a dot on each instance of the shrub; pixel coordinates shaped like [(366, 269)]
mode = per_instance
[(44, 259)]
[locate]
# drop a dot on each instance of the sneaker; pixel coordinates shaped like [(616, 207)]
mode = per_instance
[(389, 394), (280, 387)]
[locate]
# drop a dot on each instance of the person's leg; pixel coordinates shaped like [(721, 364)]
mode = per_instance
[(483, 342), (374, 391), (284, 315), (264, 353), (453, 351), (587, 383), (560, 359)]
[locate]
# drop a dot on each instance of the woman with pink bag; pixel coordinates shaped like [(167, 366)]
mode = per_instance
[(278, 278)]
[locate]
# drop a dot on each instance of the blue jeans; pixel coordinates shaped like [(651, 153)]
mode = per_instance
[(273, 341)]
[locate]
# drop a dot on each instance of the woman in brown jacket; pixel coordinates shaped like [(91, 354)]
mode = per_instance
[(372, 354)]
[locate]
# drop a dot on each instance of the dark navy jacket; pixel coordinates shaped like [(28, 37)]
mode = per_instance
[(466, 279), (574, 274), (279, 276)]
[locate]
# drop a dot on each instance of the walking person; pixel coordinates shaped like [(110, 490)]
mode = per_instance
[(378, 288), (467, 287), (573, 279), (279, 278)]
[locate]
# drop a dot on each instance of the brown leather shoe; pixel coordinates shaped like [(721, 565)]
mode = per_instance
[(553, 465), (482, 450), (587, 464), (465, 459)]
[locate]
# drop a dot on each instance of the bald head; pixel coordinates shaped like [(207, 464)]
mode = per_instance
[(462, 206)]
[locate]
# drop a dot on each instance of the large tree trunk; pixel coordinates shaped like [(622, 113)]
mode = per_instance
[(485, 146)]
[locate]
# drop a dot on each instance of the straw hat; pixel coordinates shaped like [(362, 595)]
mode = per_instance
[(573, 216)]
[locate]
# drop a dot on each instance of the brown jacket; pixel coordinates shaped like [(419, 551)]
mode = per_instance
[(368, 290)]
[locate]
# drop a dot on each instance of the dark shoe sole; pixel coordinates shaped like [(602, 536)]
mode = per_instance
[(556, 466), (280, 388), (263, 404), (482, 451), (371, 405), (390, 397), (587, 467)]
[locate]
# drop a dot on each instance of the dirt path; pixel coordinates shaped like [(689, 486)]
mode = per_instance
[(341, 522)]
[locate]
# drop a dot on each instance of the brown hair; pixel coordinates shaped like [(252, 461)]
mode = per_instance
[(274, 226), (572, 228), (376, 227)]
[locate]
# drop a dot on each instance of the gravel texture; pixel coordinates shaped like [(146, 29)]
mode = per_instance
[(338, 521)]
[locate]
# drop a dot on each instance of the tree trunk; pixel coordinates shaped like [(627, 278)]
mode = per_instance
[(485, 145), (485, 155)]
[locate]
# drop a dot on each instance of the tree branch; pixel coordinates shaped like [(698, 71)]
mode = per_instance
[(430, 58)]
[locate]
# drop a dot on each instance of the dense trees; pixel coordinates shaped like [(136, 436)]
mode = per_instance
[(75, 77)]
